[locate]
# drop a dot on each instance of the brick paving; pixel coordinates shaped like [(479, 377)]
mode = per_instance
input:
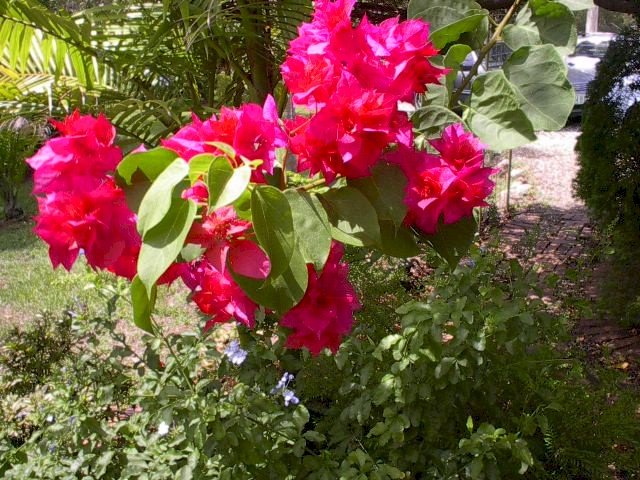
[(552, 233)]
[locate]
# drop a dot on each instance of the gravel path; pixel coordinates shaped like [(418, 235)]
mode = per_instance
[(550, 229), (550, 166)]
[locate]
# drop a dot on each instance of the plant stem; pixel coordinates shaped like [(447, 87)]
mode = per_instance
[(484, 52), (183, 370), (316, 183)]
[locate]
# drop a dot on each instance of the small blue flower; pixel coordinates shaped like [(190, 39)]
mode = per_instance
[(52, 448), (72, 420), (468, 262), (290, 398), (234, 353), (281, 388)]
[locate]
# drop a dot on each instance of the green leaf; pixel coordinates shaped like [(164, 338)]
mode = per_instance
[(279, 293), (312, 227), (143, 302), (225, 148), (199, 166), (158, 199), (577, 5), (150, 163), (397, 241), (453, 241), (273, 224), (449, 19), (437, 94), (191, 251), (225, 183), (539, 77), (162, 244), (137, 171), (451, 33), (494, 113), (456, 54), (353, 219), (543, 22), (385, 189), (431, 120), (440, 13)]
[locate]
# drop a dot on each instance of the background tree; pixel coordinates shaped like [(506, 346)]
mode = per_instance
[(148, 65)]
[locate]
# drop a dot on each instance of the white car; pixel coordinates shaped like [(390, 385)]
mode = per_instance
[(590, 49)]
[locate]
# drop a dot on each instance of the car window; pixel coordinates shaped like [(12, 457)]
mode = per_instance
[(593, 50), (498, 55)]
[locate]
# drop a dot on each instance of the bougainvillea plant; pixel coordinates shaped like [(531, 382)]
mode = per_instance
[(215, 206)]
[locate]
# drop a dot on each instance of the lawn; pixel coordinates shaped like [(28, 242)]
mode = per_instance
[(29, 285)]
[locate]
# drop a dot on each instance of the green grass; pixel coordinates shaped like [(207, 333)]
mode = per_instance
[(29, 284)]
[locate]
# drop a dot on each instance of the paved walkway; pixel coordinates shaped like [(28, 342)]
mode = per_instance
[(550, 231)]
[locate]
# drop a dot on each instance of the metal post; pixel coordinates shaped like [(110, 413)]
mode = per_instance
[(509, 181)]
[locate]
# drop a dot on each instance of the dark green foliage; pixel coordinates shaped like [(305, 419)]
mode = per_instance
[(463, 382), (609, 176), (28, 356), (17, 142)]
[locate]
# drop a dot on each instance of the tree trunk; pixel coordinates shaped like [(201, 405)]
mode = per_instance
[(622, 6), (257, 39), (592, 20)]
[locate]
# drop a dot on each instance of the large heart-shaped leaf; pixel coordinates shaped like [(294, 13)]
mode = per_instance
[(397, 241), (385, 189), (452, 32), (543, 22), (431, 120), (494, 113), (539, 77), (448, 19)]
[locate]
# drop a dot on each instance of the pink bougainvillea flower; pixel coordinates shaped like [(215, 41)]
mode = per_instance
[(248, 259), (348, 136), (97, 222), (224, 237), (312, 79), (216, 294), (391, 58), (253, 131), (333, 14), (325, 314), (79, 159), (395, 57), (436, 191), (198, 192), (458, 148)]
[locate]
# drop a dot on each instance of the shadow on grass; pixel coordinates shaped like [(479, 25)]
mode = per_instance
[(17, 235)]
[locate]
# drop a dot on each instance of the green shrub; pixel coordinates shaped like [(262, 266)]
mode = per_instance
[(609, 176), (28, 356), (463, 382), (18, 141)]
